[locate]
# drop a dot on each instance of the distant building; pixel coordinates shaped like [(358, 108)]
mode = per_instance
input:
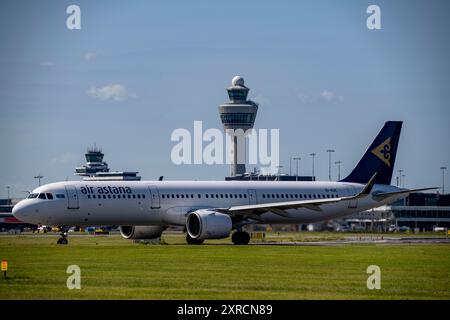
[(96, 169), (268, 177), (94, 163), (423, 211), (7, 220)]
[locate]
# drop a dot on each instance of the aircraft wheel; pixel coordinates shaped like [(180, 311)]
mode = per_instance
[(240, 238), (62, 241), (191, 240)]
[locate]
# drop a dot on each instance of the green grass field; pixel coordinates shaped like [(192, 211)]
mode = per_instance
[(114, 268)]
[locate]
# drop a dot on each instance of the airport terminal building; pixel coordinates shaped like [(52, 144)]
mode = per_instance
[(419, 211)]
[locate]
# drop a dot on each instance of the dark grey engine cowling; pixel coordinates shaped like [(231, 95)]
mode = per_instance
[(141, 232), (206, 224)]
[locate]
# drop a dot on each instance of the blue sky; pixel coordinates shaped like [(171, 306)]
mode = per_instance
[(319, 74)]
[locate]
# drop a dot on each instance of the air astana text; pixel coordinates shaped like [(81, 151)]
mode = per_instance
[(105, 190)]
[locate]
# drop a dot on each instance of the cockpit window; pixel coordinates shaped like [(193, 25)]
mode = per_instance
[(60, 196), (49, 196), (42, 196), (33, 195)]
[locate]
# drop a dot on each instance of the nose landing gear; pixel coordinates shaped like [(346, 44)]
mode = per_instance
[(63, 238)]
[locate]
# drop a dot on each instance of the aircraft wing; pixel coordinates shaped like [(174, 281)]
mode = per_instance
[(254, 210)]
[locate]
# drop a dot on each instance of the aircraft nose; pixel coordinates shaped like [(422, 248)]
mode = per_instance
[(21, 211)]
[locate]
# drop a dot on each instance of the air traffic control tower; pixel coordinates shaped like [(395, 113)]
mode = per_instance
[(238, 113)]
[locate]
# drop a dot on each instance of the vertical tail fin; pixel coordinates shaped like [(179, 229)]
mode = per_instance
[(379, 158)]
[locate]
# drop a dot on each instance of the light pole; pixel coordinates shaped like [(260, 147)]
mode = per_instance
[(297, 159), (400, 171), (339, 168), (39, 177), (443, 179), (313, 155), (290, 166), (330, 151)]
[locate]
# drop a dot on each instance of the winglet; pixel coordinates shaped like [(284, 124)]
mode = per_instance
[(367, 188)]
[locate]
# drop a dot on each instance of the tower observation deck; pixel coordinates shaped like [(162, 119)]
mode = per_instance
[(238, 113), (94, 163)]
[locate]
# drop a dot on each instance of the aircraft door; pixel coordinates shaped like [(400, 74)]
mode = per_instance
[(154, 197), (72, 197), (352, 204), (252, 196)]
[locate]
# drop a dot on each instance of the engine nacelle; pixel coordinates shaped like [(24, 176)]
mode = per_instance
[(141, 232), (206, 224)]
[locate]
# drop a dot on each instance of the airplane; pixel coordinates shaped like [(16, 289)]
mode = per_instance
[(214, 209)]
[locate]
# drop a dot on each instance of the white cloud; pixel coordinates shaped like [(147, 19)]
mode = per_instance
[(327, 95), (116, 92), (47, 64), (303, 97), (331, 96), (88, 56)]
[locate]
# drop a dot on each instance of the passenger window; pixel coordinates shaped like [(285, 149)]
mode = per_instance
[(240, 196), (163, 196), (206, 195), (143, 196), (245, 196), (89, 196), (226, 196), (264, 195), (42, 196)]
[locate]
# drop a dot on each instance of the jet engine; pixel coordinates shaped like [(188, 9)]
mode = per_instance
[(206, 224), (141, 232)]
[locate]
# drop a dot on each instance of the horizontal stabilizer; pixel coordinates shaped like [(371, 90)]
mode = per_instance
[(385, 195)]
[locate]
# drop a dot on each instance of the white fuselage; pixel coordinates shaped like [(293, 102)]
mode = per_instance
[(84, 203)]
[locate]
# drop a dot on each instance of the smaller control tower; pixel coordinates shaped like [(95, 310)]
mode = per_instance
[(96, 169), (238, 113), (94, 163)]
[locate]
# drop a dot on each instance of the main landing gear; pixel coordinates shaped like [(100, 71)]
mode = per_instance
[(191, 240), (63, 238), (240, 238)]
